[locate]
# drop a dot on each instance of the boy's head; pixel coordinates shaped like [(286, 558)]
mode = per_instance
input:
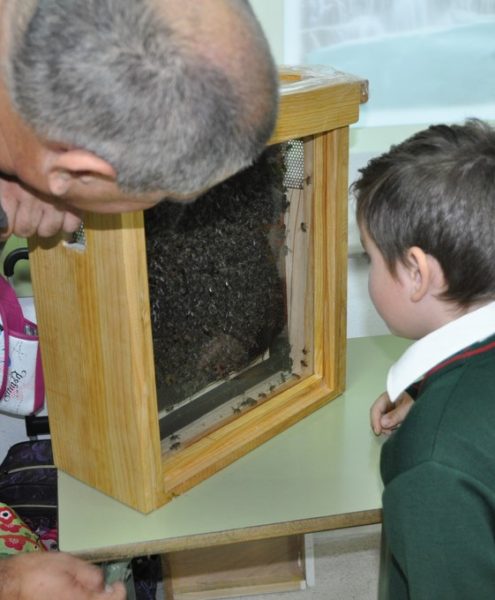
[(436, 192)]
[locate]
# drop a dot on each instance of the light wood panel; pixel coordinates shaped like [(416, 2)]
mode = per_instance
[(93, 314), (331, 183), (315, 101)]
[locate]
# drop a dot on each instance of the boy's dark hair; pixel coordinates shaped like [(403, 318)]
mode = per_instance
[(436, 190)]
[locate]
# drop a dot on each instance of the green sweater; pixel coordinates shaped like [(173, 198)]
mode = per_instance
[(439, 475)]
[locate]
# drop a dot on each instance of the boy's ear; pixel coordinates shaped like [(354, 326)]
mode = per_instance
[(81, 165), (425, 274)]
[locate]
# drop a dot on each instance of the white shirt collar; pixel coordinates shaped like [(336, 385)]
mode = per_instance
[(435, 347)]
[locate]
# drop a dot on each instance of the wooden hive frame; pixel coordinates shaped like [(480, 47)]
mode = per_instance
[(93, 314)]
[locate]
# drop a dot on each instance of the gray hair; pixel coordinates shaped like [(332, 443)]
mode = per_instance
[(117, 79)]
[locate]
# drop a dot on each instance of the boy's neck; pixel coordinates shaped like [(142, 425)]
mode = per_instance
[(445, 312)]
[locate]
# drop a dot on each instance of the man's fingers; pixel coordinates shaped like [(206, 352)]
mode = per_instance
[(116, 591), (91, 578), (28, 214), (27, 218), (88, 576), (72, 222)]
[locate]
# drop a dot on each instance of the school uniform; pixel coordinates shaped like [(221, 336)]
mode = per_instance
[(438, 468)]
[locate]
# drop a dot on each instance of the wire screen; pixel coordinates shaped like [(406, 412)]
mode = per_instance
[(294, 161)]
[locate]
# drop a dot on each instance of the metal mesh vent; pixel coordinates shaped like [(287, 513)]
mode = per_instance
[(78, 239), (79, 236), (294, 162)]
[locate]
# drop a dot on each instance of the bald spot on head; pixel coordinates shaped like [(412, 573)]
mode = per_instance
[(227, 34)]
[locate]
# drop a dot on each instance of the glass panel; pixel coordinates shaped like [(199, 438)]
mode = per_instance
[(229, 313)]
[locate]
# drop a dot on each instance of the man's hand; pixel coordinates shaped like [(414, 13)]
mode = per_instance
[(28, 214), (54, 576), (386, 416)]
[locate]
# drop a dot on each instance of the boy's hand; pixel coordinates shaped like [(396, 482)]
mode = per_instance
[(27, 214), (386, 416), (54, 576)]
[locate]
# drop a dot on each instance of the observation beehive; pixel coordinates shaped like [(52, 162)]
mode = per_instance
[(146, 399)]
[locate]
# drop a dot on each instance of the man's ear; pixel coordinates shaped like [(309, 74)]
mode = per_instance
[(77, 165), (425, 274)]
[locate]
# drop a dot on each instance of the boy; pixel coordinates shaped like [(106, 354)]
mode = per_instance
[(426, 212)]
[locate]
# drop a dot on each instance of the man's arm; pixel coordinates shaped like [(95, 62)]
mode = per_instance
[(25, 214), (54, 576)]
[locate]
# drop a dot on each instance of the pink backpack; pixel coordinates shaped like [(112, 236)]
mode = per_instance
[(22, 390)]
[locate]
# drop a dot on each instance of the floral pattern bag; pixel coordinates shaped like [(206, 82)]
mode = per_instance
[(15, 535), (28, 486)]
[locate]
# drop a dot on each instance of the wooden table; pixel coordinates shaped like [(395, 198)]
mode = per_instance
[(321, 474)]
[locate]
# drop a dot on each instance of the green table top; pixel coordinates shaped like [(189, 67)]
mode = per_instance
[(322, 473)]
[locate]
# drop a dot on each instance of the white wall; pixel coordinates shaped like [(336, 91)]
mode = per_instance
[(271, 16)]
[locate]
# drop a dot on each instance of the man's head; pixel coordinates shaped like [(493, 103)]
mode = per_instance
[(165, 97), (436, 192)]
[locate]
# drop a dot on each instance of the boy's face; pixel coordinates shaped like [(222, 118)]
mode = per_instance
[(389, 293)]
